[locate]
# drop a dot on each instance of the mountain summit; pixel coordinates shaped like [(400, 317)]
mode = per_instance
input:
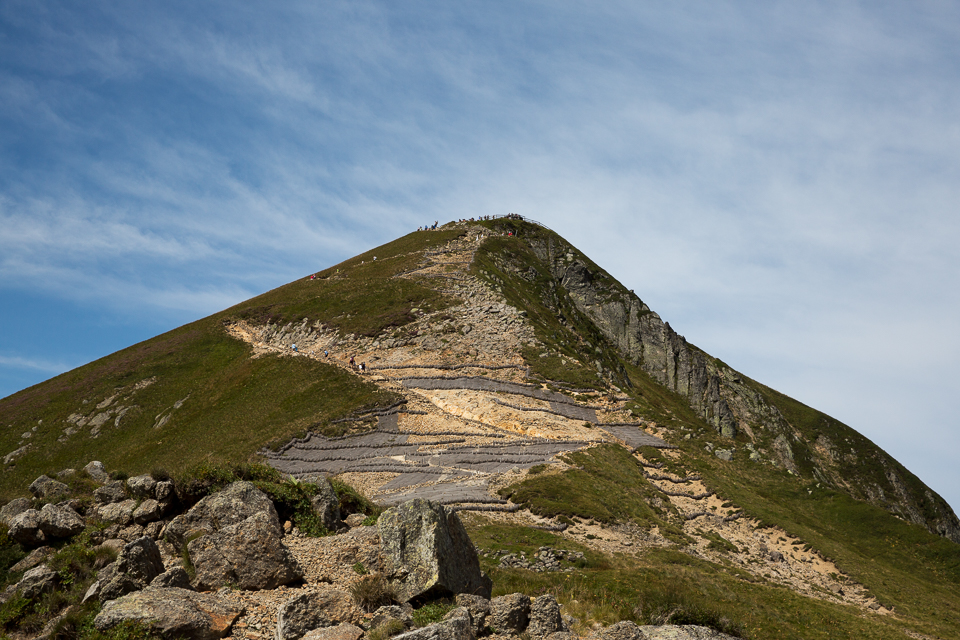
[(490, 365)]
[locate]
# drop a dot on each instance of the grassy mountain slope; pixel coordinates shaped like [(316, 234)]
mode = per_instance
[(230, 404), (196, 393)]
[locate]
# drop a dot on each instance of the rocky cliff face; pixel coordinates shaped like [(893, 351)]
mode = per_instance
[(730, 402)]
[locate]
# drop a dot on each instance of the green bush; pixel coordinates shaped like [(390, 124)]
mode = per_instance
[(432, 612)]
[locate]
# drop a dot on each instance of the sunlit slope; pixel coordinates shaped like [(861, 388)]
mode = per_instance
[(195, 393)]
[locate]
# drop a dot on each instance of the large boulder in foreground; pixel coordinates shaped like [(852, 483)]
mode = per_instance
[(232, 505), (172, 613), (249, 555), (428, 553)]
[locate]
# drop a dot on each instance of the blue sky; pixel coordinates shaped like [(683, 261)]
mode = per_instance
[(779, 180)]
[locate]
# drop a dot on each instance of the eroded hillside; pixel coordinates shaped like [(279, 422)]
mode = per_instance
[(493, 367)]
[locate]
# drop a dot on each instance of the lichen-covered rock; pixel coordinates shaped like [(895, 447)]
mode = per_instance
[(97, 471), (33, 559), (60, 521), (509, 614), (148, 511), (249, 555), (39, 580), (427, 551), (313, 610), (172, 613), (136, 567), (544, 617), (163, 492), (174, 577), (118, 512), (25, 528), (46, 487), (326, 505), (343, 631), (141, 486), (624, 630), (454, 626), (478, 608), (109, 493), (233, 504), (13, 508)]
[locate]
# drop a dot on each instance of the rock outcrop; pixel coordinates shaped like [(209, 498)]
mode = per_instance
[(249, 555), (428, 553), (171, 613), (230, 506)]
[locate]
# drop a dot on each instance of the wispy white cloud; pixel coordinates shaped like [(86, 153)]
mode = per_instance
[(777, 180)]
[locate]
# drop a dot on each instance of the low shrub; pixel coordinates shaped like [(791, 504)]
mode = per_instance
[(432, 612), (373, 591)]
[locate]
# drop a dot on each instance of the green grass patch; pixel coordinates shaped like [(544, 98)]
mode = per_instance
[(608, 487)]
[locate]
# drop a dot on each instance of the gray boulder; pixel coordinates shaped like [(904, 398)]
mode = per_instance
[(427, 551), (343, 631), (135, 568), (326, 505), (172, 613), (148, 511), (624, 630), (37, 581), (46, 487), (509, 614), (249, 555), (312, 610), (454, 626), (164, 492), (118, 512), (97, 471), (110, 493), (141, 486), (175, 577), (233, 504), (13, 508), (544, 617), (479, 610), (60, 521), (33, 558), (25, 528)]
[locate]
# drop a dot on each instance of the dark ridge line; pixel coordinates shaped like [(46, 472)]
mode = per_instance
[(380, 445), (697, 514), (518, 384), (449, 367), (621, 424), (373, 412), (680, 494), (552, 527), (650, 476), (453, 433)]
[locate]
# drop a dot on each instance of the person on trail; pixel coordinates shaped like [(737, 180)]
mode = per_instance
[(363, 367), (353, 363), (294, 346), (325, 353)]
